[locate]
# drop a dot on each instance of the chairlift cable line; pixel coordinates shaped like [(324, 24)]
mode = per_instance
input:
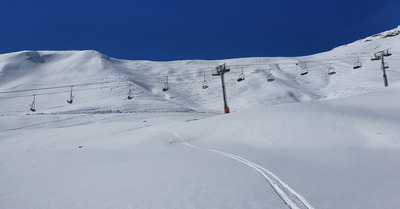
[(158, 76), (350, 58), (88, 84), (56, 92), (56, 87), (193, 72), (139, 79), (198, 71)]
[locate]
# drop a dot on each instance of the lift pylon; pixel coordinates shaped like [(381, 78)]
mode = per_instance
[(220, 71)]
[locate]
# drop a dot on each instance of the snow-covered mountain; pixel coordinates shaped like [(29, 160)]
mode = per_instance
[(29, 70), (300, 141)]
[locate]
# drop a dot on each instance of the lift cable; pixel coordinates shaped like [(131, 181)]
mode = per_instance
[(57, 87), (56, 92), (195, 72)]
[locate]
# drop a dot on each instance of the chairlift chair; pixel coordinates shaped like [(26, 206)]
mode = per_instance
[(357, 64), (387, 53), (241, 76), (130, 92), (205, 83), (130, 96), (71, 98), (331, 70), (33, 104), (270, 76), (303, 70), (215, 73), (376, 57), (166, 87)]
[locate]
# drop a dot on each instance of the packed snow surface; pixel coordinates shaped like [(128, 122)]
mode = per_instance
[(311, 141)]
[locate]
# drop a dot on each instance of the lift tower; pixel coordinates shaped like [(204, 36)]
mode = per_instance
[(220, 71), (380, 56)]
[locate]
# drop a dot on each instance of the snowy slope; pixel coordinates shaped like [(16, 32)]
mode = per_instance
[(312, 141), (335, 154), (48, 69)]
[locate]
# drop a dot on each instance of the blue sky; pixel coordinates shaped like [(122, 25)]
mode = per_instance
[(192, 29)]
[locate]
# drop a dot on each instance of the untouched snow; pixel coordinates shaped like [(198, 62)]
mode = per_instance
[(313, 141)]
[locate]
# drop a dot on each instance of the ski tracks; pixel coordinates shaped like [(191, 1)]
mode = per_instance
[(291, 198)]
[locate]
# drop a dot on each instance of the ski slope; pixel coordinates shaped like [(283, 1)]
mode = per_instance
[(312, 141), (110, 78)]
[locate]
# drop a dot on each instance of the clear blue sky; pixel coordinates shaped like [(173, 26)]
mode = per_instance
[(192, 29)]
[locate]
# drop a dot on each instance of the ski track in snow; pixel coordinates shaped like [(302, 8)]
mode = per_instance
[(290, 197)]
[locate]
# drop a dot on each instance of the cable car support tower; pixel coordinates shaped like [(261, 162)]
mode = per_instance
[(380, 56), (220, 71)]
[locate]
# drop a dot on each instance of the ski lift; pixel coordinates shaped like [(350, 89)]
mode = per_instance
[(303, 69), (71, 98), (215, 73), (130, 92), (270, 76), (386, 53), (383, 53), (205, 83), (166, 87), (241, 76), (376, 57), (33, 104), (357, 64), (331, 70)]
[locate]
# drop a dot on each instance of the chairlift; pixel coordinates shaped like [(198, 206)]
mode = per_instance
[(386, 53), (376, 57), (270, 76), (357, 64), (33, 104), (304, 70), (166, 87), (241, 76), (205, 83), (130, 92), (71, 98), (216, 73), (331, 70)]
